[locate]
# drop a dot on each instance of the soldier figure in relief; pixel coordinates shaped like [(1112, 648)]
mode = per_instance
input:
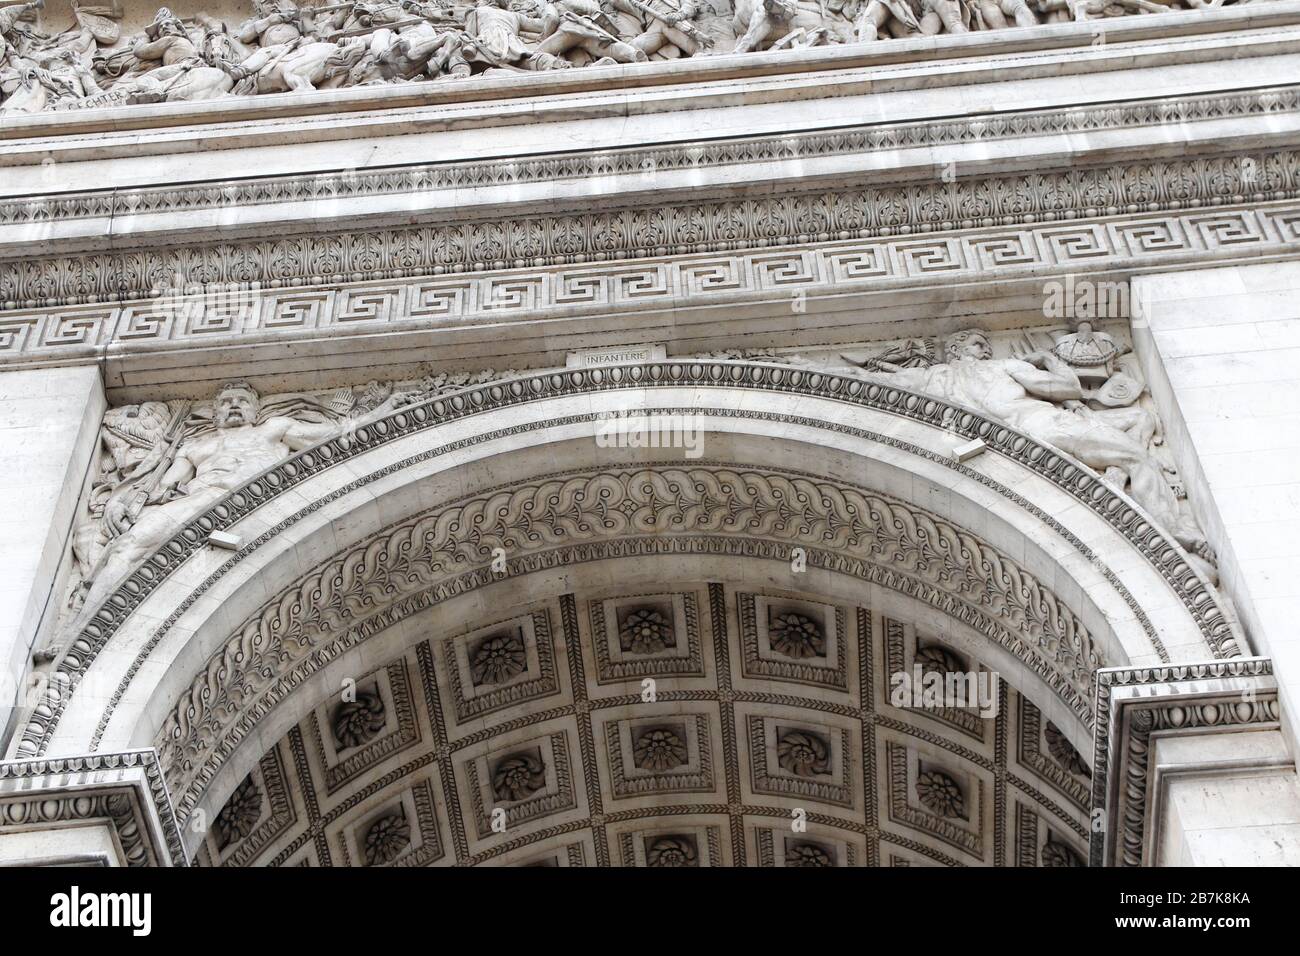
[(661, 25), (299, 66), (274, 23), (204, 58), (492, 36), (578, 29), (13, 14), (768, 24), (183, 74), (1000, 14), (910, 18)]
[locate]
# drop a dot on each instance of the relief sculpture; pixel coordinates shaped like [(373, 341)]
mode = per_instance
[(162, 464), (1075, 396), (286, 47)]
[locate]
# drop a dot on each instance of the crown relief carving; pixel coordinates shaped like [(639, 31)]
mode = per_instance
[(518, 777), (240, 814), (796, 636), (645, 631), (659, 749), (360, 721), (285, 46), (805, 853), (672, 851), (940, 794), (1059, 854), (497, 659), (386, 839), (804, 753)]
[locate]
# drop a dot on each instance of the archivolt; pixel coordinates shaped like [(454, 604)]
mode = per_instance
[(1155, 547), (585, 516)]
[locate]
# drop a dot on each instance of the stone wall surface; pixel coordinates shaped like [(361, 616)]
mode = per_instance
[(49, 433), (1221, 348), (1217, 814)]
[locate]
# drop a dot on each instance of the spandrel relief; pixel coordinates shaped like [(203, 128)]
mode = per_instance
[(100, 56), (1078, 390), (161, 464)]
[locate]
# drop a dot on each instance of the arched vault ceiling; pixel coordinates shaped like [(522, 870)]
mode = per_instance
[(636, 720), (630, 514)]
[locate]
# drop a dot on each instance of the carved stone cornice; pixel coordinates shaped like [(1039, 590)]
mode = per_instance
[(539, 241), (706, 154), (1135, 703), (360, 292), (125, 790), (1160, 551)]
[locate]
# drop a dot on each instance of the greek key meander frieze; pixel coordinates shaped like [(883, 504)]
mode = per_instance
[(432, 177), (1158, 549), (699, 777), (1028, 222)]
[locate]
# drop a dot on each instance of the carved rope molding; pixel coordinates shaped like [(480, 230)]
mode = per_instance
[(1148, 716), (536, 241), (430, 177), (1164, 555), (343, 601), (37, 806)]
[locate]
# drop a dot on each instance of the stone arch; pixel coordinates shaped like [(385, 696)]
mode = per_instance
[(1055, 540)]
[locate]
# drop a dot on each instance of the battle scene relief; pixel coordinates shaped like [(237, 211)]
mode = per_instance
[(95, 56)]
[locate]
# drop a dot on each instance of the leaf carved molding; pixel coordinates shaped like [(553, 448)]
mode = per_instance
[(321, 260), (706, 154), (916, 552)]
